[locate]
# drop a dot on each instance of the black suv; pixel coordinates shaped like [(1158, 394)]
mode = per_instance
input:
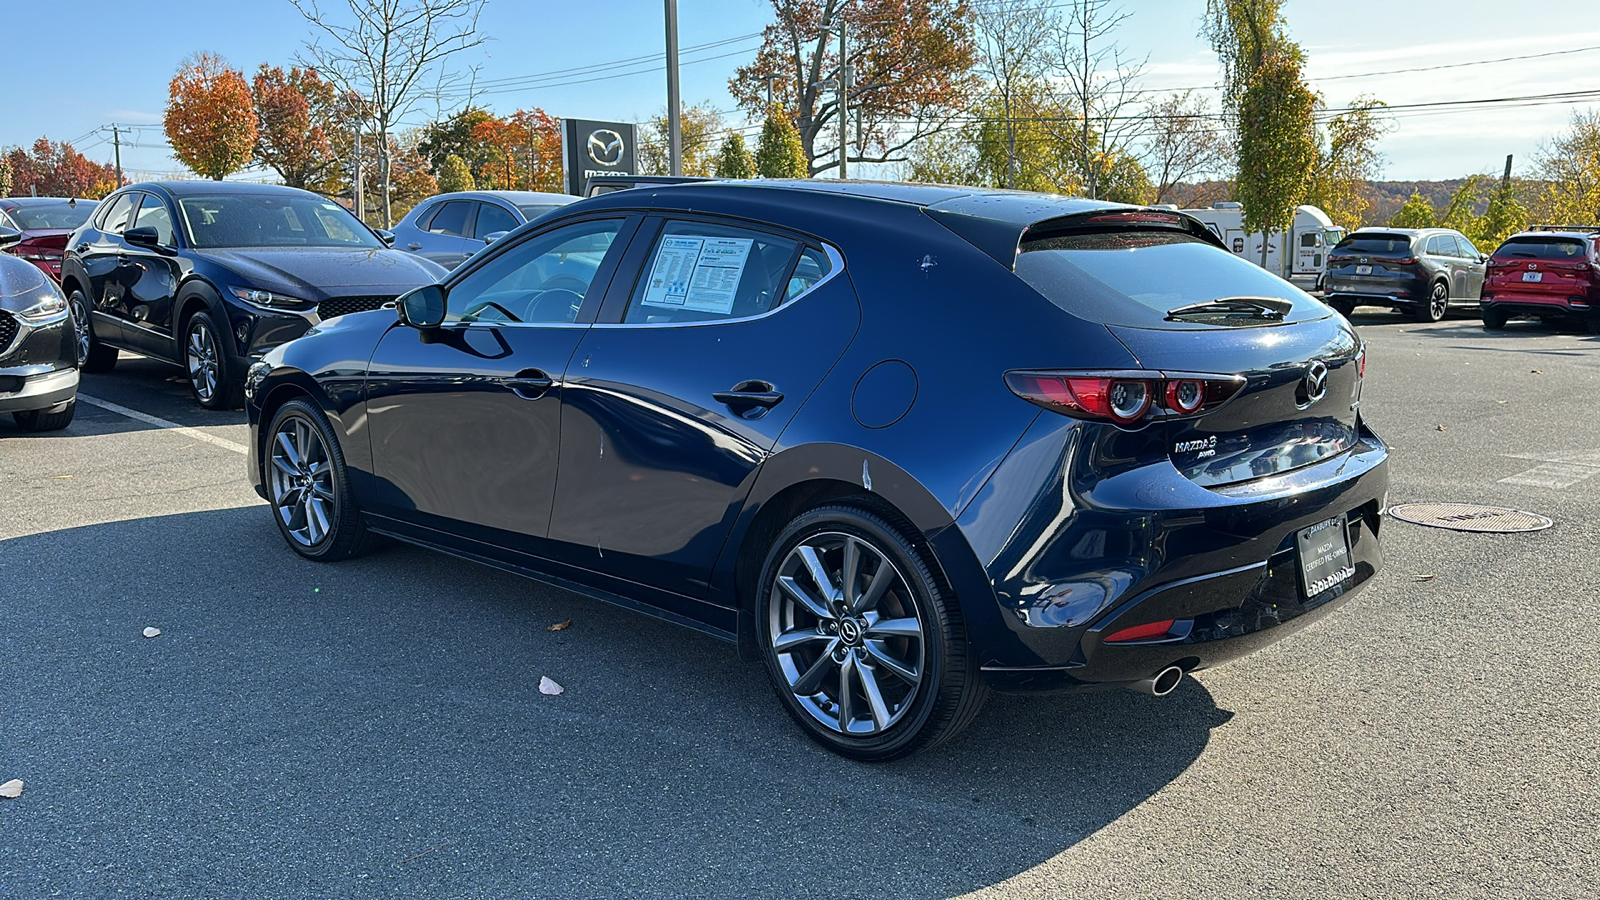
[(210, 275), (1422, 271)]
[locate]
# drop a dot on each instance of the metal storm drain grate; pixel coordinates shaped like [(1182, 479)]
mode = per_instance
[(1469, 517)]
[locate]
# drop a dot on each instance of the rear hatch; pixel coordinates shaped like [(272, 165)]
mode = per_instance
[(1183, 306), (1540, 269), (1372, 263)]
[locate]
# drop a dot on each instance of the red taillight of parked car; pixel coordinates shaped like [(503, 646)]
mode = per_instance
[(1124, 398)]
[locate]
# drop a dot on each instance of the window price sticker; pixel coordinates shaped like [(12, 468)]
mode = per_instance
[(697, 273)]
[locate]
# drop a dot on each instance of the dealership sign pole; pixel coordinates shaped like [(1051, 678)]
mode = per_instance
[(674, 126)]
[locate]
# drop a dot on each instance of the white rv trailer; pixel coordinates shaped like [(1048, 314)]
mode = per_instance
[(1312, 235)]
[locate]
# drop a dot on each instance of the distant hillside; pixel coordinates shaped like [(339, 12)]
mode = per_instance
[(1386, 196)]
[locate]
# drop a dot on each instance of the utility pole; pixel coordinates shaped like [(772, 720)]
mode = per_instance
[(1505, 180), (116, 141), (674, 110), (357, 195), (846, 80), (769, 79)]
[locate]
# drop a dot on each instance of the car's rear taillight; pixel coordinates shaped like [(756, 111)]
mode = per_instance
[(1152, 631), (1407, 261), (1124, 398)]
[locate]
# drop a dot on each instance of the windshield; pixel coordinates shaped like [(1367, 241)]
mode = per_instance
[(38, 216), (273, 220), (1553, 248), (1377, 244), (1137, 278)]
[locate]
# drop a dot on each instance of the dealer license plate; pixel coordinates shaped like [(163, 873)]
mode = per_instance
[(1532, 276), (1324, 556), (1363, 270)]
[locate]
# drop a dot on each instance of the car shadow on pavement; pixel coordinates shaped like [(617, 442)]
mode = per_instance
[(376, 727)]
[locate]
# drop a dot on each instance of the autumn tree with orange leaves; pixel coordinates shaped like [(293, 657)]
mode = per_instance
[(56, 170), (210, 118), (299, 134), (913, 62), (523, 151)]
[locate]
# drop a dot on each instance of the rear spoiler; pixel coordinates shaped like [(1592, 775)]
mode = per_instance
[(1002, 239)]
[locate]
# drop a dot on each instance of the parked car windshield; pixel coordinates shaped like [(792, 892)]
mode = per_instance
[(1556, 248), (38, 216), (272, 220), (1136, 278), (531, 211), (1377, 244)]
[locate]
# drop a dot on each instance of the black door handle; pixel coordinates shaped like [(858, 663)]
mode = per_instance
[(750, 399), (529, 384)]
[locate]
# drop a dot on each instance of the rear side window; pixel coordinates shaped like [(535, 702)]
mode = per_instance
[(1137, 278), (452, 218), (1377, 244), (1441, 245), (1551, 248), (711, 273)]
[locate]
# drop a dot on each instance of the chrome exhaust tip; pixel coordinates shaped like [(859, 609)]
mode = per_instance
[(1160, 684)]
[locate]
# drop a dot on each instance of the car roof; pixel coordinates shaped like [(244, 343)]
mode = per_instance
[(1582, 235), (213, 188), (513, 197)]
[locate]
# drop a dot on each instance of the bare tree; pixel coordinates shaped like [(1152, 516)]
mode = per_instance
[(1183, 141), (393, 54), (1100, 83), (1012, 40)]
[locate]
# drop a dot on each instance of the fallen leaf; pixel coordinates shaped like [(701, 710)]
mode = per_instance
[(12, 789), (1502, 401), (560, 626), (63, 476), (1428, 577), (152, 632), (1440, 427), (1535, 372), (546, 686)]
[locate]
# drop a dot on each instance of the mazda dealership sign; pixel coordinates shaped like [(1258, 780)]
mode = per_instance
[(597, 148)]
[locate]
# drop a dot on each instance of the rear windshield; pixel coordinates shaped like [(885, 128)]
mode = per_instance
[(1137, 278), (1554, 248), (39, 216), (1376, 244)]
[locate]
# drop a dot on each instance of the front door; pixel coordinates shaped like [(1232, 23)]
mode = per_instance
[(676, 398), (465, 420)]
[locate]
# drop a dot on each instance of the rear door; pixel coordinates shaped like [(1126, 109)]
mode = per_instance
[(444, 236), (150, 283), (707, 347), (101, 252)]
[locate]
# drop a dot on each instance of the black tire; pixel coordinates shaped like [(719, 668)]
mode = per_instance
[(99, 357), (297, 493), (1438, 303), (1495, 319), (1344, 308), (912, 692), (39, 420), (213, 377)]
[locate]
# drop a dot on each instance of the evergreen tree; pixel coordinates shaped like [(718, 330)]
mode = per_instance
[(780, 153), (455, 176), (733, 160)]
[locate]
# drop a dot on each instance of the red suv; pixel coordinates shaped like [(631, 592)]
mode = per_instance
[(1549, 273)]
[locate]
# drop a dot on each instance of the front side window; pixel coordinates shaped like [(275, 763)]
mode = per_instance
[(272, 220), (711, 273), (1465, 249), (541, 280), (492, 218), (116, 220), (153, 214)]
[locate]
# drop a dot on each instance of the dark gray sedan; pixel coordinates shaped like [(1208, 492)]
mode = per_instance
[(451, 227)]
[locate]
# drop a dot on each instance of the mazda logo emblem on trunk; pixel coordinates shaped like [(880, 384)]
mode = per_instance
[(605, 147), (1316, 383)]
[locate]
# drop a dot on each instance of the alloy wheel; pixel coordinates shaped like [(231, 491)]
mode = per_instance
[(203, 360), (80, 325), (846, 634), (1438, 302), (301, 482)]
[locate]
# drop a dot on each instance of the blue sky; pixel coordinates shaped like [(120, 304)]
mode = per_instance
[(116, 65)]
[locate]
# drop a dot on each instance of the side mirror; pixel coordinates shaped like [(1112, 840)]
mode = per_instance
[(9, 236), (1483, 257), (493, 236), (422, 308), (144, 236), (384, 235)]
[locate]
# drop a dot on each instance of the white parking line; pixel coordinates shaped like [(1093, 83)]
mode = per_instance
[(1562, 470), (158, 422)]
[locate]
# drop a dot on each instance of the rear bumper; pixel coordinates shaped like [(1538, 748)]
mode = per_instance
[(1537, 305), (1221, 562), (45, 390)]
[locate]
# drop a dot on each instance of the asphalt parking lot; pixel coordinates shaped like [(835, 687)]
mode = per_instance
[(374, 728)]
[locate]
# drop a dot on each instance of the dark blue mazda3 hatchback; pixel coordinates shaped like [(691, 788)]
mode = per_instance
[(903, 444)]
